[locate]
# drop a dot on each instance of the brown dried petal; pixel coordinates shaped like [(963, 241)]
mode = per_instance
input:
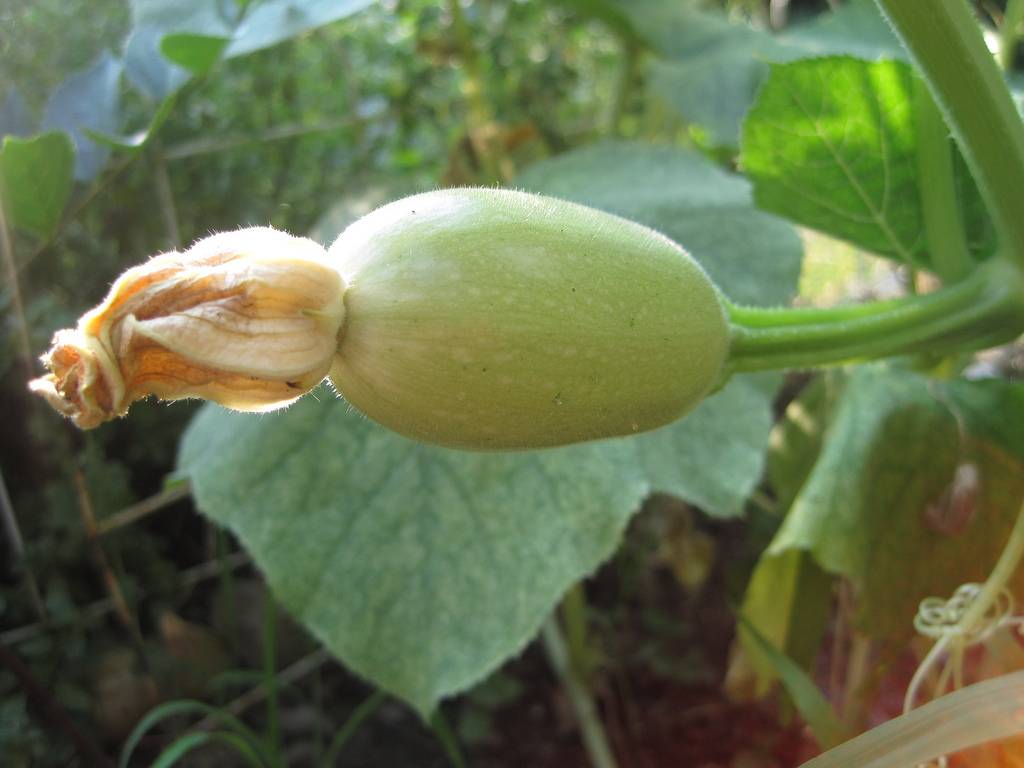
[(248, 319)]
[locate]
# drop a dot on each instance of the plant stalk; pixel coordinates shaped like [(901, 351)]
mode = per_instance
[(983, 310)]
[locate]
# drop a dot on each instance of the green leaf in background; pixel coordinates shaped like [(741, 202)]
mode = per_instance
[(147, 69), (196, 53), (876, 507), (273, 22), (708, 69), (88, 101), (36, 176), (197, 17), (424, 569), (831, 144), (197, 33), (857, 28)]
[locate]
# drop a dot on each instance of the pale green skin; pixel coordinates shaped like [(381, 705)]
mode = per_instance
[(488, 319)]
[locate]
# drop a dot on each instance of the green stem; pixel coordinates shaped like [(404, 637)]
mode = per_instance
[(940, 207), (351, 725), (574, 619), (449, 741), (587, 717), (983, 310), (1005, 567), (944, 39)]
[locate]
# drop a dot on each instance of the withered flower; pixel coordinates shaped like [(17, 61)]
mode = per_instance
[(248, 319)]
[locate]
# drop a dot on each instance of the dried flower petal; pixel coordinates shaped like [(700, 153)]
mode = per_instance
[(248, 319)]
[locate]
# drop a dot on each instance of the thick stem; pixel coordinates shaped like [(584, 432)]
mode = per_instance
[(984, 310), (944, 39)]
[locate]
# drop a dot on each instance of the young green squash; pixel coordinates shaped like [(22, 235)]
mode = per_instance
[(488, 319)]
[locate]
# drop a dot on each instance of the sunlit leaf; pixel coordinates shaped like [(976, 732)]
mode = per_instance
[(831, 144)]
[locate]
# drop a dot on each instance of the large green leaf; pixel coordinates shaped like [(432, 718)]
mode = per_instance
[(36, 179), (423, 569), (877, 508), (831, 144)]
